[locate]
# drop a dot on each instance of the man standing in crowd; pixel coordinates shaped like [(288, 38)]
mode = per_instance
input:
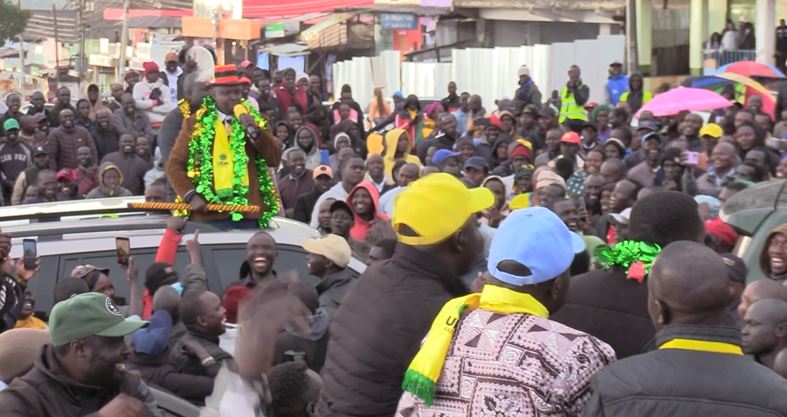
[(697, 353), (327, 259), (527, 93), (573, 98), (526, 361), (193, 91), (13, 102), (170, 75), (130, 120), (132, 166), (443, 138), (322, 180), (64, 141), (198, 352), (611, 303), (38, 104), (406, 174), (116, 93), (617, 83), (259, 148), (764, 331), (78, 373), (63, 101), (152, 96), (105, 134), (298, 181), (364, 368), (15, 157), (29, 176), (452, 102), (352, 172)]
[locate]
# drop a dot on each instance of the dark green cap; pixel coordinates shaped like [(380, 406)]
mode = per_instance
[(89, 314)]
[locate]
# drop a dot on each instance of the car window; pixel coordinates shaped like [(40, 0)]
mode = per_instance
[(228, 259), (108, 259), (43, 284)]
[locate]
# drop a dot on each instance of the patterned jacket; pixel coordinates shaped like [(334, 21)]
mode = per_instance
[(515, 365)]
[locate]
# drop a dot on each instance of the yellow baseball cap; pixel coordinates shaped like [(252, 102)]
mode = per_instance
[(435, 207), (711, 129)]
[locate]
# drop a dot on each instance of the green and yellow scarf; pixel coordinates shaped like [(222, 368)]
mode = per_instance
[(424, 371)]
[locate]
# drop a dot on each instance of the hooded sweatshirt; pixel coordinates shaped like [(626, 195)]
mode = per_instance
[(102, 191), (98, 105), (765, 263), (313, 158), (362, 226), (389, 153), (636, 98)]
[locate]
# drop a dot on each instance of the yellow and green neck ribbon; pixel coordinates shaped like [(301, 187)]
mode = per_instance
[(424, 371)]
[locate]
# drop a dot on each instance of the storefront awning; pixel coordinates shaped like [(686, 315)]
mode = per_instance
[(272, 10), (288, 49)]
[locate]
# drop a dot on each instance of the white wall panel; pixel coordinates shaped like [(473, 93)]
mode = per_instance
[(488, 72)]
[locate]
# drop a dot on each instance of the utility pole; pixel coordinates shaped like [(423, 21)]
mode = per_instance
[(81, 26), (123, 41), (57, 43), (631, 36), (21, 53)]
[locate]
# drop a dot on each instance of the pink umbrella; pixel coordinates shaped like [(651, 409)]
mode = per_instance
[(684, 98)]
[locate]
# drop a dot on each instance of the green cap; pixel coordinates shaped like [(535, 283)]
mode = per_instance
[(86, 315), (10, 124)]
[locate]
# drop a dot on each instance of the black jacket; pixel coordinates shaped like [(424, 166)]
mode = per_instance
[(157, 372), (677, 383), (332, 288), (47, 391), (377, 331), (184, 363), (611, 307)]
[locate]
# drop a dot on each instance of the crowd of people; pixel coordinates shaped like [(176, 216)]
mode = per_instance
[(543, 257)]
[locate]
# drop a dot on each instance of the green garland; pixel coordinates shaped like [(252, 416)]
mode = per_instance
[(199, 165), (627, 253)]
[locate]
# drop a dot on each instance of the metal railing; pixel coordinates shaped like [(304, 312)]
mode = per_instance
[(715, 58)]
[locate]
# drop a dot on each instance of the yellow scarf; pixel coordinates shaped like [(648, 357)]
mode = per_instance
[(223, 167), (424, 371), (703, 346)]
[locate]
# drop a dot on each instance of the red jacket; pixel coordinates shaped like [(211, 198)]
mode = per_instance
[(362, 226), (167, 250)]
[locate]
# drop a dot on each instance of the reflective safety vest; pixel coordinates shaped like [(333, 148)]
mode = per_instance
[(646, 96), (569, 109)]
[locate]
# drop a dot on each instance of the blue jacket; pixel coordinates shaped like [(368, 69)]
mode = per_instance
[(616, 85)]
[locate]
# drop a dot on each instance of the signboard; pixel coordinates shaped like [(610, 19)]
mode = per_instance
[(398, 21)]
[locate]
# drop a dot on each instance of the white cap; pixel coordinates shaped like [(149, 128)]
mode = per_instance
[(622, 217), (523, 70)]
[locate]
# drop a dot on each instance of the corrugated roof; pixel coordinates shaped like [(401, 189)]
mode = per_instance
[(42, 25)]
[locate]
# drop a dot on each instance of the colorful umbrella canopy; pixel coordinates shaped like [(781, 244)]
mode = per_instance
[(752, 69), (752, 88), (684, 98)]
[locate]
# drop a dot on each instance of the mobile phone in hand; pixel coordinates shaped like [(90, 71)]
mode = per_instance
[(692, 158), (123, 250), (30, 253)]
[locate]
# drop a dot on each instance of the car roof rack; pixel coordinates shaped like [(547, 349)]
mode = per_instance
[(60, 210)]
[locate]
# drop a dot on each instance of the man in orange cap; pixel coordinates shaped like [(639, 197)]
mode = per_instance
[(152, 96), (171, 73), (222, 156)]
